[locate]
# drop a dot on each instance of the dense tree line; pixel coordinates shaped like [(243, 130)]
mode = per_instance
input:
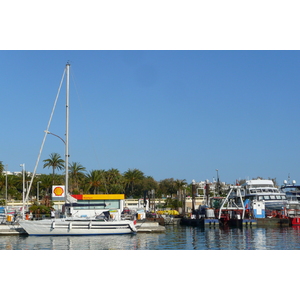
[(133, 183)]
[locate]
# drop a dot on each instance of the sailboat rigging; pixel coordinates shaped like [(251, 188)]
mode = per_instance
[(84, 225)]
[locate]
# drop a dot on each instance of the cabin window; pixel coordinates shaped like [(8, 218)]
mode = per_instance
[(267, 197), (272, 197)]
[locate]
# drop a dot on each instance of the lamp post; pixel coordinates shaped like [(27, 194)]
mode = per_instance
[(218, 182), (193, 195), (184, 200), (66, 153), (23, 171), (27, 191), (6, 187), (48, 132), (37, 193)]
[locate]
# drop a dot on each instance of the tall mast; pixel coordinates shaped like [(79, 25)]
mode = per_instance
[(67, 131)]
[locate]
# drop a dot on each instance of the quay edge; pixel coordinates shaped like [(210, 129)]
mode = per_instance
[(272, 222), (149, 226), (6, 229), (259, 222)]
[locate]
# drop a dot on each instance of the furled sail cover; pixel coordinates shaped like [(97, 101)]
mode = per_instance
[(71, 199)]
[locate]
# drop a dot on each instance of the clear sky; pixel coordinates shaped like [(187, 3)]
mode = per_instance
[(171, 114)]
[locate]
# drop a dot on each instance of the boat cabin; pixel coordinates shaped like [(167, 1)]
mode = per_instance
[(90, 205)]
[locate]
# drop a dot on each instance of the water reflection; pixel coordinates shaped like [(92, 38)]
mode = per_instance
[(175, 238)]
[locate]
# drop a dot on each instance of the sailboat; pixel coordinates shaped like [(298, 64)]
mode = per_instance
[(98, 225)]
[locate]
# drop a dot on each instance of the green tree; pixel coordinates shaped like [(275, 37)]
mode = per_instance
[(180, 185), (55, 162), (77, 173), (47, 181), (132, 177), (12, 184), (114, 181), (1, 167), (96, 181), (167, 187)]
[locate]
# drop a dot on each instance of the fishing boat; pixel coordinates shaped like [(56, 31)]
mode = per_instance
[(292, 211), (100, 224)]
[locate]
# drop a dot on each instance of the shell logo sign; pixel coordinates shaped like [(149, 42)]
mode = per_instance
[(58, 191)]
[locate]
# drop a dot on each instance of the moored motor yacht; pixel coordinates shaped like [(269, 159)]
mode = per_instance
[(264, 190), (292, 191)]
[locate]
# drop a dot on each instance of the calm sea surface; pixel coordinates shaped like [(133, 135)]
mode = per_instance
[(175, 238)]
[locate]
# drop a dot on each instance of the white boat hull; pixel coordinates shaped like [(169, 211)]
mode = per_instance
[(77, 227), (275, 205)]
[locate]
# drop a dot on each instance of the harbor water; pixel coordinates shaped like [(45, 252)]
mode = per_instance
[(174, 238)]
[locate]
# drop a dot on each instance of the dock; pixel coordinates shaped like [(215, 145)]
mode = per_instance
[(202, 222), (246, 223), (144, 226), (7, 229), (273, 222)]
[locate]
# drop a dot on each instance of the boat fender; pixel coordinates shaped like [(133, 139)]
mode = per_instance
[(53, 225), (90, 225), (70, 226)]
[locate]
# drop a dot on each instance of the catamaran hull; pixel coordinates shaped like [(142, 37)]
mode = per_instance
[(66, 227)]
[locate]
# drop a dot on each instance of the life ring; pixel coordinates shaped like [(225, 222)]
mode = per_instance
[(274, 213)]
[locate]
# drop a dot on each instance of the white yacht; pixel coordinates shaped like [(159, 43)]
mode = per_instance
[(264, 190)]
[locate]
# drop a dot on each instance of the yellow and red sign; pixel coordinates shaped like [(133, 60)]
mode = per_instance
[(58, 191), (99, 197)]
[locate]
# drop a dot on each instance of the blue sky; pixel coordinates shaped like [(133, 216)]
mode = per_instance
[(171, 114)]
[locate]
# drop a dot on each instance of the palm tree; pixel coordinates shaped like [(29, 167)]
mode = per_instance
[(96, 180), (55, 162), (180, 185), (132, 177), (167, 187), (76, 171), (1, 167), (47, 182), (114, 181)]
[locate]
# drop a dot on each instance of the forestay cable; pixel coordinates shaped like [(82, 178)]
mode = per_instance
[(45, 135)]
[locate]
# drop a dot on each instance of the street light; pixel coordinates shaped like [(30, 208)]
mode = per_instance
[(23, 171), (37, 192), (6, 167), (218, 182), (27, 191), (48, 132), (193, 195)]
